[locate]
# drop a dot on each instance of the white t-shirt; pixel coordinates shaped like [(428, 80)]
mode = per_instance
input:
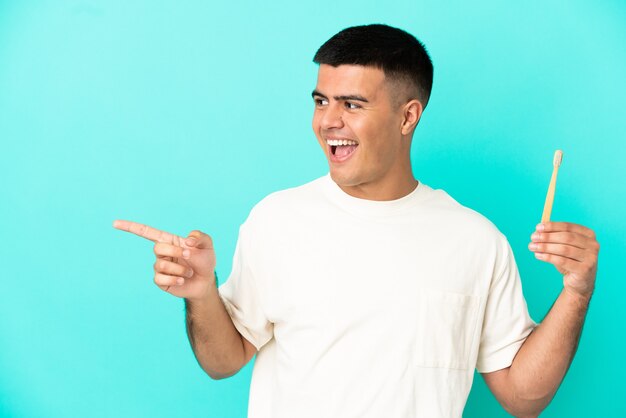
[(366, 308)]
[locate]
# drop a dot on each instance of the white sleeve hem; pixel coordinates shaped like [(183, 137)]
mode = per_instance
[(500, 361), (502, 358), (245, 333)]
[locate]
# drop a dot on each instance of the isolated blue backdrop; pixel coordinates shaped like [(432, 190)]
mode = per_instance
[(183, 115)]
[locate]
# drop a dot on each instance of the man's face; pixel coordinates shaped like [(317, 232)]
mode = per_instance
[(359, 130)]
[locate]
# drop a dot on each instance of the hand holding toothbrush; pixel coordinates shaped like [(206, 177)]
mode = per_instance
[(571, 248)]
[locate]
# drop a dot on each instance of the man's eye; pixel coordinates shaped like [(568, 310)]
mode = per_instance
[(352, 105), (320, 102)]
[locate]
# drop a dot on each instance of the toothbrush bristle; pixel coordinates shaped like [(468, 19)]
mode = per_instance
[(558, 157)]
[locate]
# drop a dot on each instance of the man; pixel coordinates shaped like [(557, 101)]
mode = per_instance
[(365, 292)]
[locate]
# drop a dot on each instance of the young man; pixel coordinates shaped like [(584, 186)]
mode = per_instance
[(366, 293)]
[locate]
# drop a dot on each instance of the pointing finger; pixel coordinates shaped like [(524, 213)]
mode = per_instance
[(145, 231)]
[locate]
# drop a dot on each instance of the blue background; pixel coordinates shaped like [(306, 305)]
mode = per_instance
[(183, 115)]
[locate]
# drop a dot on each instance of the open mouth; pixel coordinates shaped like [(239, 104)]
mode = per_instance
[(341, 149)]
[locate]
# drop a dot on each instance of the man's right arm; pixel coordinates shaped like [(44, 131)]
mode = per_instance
[(185, 267), (220, 349)]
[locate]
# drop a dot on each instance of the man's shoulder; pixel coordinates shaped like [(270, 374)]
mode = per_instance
[(287, 201), (463, 218)]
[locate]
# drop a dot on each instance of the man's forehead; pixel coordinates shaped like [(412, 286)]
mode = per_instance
[(349, 79)]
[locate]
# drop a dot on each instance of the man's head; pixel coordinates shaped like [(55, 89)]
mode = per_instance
[(402, 58), (373, 83)]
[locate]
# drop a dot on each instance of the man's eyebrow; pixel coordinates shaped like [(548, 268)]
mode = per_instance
[(354, 97)]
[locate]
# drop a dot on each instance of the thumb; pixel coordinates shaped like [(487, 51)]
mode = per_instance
[(199, 240)]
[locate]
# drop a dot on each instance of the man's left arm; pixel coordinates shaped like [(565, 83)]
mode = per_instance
[(526, 387)]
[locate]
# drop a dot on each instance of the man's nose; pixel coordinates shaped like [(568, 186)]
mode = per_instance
[(332, 117)]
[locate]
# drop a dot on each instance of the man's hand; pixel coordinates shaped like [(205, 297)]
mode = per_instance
[(185, 267), (572, 249), (527, 386)]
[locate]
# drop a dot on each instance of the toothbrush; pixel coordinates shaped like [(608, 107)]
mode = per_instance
[(547, 208)]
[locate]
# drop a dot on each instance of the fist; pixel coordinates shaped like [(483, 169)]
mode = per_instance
[(572, 249)]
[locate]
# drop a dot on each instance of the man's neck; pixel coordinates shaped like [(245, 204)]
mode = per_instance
[(380, 192)]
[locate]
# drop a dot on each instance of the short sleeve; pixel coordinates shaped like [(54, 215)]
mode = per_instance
[(507, 322), (242, 300)]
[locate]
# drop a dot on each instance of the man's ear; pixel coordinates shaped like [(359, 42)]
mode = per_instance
[(412, 112)]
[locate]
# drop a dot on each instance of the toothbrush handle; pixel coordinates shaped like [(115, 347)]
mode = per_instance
[(547, 208)]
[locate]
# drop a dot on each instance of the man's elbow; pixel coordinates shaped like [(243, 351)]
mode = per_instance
[(523, 407), (229, 364), (218, 370), (221, 374)]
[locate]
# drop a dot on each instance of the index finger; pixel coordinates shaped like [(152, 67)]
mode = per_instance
[(144, 231), (567, 227)]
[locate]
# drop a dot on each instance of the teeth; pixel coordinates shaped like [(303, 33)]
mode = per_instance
[(338, 142)]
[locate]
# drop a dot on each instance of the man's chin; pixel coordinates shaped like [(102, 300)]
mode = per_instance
[(343, 179)]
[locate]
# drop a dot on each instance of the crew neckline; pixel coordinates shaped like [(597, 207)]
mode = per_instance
[(371, 207)]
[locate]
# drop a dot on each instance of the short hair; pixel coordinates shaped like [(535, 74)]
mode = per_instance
[(397, 53)]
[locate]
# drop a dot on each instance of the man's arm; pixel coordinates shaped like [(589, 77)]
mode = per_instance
[(185, 267), (219, 348), (526, 387)]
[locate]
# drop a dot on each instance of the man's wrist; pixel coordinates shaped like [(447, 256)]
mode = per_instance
[(579, 298), (205, 297)]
